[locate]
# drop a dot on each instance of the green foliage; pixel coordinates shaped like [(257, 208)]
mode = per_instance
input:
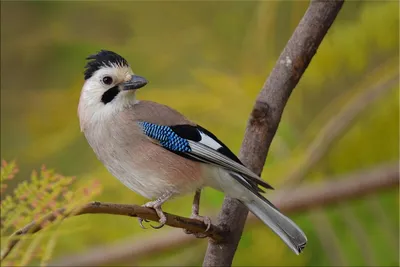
[(8, 171), (44, 193)]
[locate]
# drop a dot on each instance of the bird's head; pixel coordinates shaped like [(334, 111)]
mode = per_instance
[(109, 84)]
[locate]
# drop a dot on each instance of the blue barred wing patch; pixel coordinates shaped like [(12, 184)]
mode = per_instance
[(166, 136)]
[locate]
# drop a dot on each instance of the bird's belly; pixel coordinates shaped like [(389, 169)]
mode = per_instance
[(142, 181), (152, 171)]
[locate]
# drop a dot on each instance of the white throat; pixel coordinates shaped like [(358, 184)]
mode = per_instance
[(91, 110)]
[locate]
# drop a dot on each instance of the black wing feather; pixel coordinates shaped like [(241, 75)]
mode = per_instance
[(192, 133), (187, 131)]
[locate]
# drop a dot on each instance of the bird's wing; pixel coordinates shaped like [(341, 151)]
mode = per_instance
[(196, 143)]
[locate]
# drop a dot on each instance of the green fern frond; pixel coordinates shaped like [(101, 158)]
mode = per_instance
[(8, 171), (45, 192)]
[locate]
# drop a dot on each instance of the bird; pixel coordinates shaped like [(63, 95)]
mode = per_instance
[(158, 153)]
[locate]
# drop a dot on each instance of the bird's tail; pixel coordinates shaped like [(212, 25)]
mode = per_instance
[(241, 189), (285, 228)]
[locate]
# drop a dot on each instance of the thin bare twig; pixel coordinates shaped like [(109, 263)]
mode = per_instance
[(194, 226), (304, 198), (266, 115), (336, 127), (327, 237), (365, 247), (389, 229)]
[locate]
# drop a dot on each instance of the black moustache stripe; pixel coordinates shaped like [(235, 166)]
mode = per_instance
[(110, 94)]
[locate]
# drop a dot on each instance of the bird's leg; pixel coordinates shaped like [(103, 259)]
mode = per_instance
[(195, 215), (156, 205), (196, 208)]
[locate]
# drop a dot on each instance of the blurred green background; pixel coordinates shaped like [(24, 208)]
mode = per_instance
[(209, 60)]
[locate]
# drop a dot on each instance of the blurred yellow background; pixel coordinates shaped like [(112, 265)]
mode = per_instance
[(209, 60)]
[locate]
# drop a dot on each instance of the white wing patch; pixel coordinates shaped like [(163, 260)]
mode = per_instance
[(208, 141)]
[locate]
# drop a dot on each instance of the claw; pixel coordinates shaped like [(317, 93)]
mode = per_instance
[(145, 220), (158, 226), (141, 223), (156, 205), (163, 218), (206, 220)]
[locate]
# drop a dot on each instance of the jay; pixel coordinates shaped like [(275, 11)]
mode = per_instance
[(158, 153)]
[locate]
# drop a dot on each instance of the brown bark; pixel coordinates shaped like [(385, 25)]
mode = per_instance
[(266, 115)]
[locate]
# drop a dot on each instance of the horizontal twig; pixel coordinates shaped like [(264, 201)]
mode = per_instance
[(304, 198), (194, 226)]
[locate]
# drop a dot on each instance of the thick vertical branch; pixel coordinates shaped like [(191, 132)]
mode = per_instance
[(266, 115)]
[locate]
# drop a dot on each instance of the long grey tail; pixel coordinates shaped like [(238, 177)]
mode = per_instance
[(285, 228)]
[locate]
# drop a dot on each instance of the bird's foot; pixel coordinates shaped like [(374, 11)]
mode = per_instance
[(206, 220), (195, 215), (156, 205)]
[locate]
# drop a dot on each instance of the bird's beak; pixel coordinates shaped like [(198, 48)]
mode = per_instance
[(135, 82)]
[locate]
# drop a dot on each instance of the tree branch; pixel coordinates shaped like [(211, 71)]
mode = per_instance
[(266, 115), (336, 126), (304, 198), (194, 226)]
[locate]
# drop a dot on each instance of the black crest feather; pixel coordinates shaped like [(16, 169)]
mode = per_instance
[(101, 59)]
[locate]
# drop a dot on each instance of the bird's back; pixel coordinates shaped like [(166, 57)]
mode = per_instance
[(158, 114)]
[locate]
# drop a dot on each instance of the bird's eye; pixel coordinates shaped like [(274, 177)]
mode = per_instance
[(107, 80)]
